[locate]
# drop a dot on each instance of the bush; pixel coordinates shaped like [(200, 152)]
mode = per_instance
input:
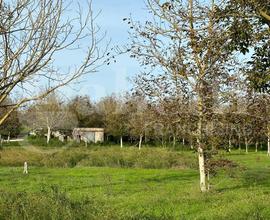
[(149, 158), (41, 141), (50, 203), (53, 203), (11, 144), (16, 156)]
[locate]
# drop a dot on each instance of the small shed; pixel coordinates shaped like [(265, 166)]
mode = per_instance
[(88, 134)]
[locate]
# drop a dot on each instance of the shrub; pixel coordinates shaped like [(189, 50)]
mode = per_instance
[(50, 203), (149, 158), (41, 141), (17, 156)]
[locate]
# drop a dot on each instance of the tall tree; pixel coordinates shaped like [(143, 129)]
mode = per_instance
[(185, 40), (32, 35), (87, 113)]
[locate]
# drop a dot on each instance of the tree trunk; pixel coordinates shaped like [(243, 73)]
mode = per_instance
[(239, 142), (246, 144), (230, 144), (162, 141), (202, 170), (121, 142), (268, 146), (48, 135), (174, 141), (256, 146), (8, 139), (145, 138), (208, 180), (140, 142), (183, 141), (200, 148)]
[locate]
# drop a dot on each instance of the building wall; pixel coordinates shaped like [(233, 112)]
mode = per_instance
[(99, 136), (90, 136)]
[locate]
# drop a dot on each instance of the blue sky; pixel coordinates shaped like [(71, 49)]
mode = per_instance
[(113, 78)]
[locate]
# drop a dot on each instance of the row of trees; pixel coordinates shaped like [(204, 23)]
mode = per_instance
[(168, 121)]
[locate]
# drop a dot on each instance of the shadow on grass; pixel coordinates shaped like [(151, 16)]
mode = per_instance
[(108, 180), (181, 177), (256, 177), (251, 178)]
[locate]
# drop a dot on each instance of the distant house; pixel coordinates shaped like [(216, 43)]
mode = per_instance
[(88, 134)]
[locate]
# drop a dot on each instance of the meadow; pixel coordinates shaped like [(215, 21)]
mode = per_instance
[(113, 183)]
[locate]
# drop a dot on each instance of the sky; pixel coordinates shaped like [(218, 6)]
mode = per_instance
[(115, 77)]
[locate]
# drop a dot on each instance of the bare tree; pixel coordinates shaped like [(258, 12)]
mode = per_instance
[(33, 36), (51, 114)]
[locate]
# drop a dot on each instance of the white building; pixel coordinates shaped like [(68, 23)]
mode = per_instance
[(88, 134)]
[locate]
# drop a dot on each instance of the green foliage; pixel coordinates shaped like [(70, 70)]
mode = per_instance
[(41, 141), (86, 112), (258, 73), (11, 144), (12, 126)]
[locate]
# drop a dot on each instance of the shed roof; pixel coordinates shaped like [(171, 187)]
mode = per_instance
[(89, 129)]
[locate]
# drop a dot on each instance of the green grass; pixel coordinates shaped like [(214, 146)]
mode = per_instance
[(242, 192)]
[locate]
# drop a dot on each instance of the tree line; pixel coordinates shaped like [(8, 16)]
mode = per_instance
[(240, 122)]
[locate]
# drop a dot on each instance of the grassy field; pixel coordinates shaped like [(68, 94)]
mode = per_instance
[(87, 192)]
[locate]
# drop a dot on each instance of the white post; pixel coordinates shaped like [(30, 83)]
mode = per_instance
[(25, 168)]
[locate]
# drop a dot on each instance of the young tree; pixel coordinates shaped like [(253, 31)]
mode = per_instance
[(32, 35), (51, 114), (185, 40), (114, 113), (139, 117)]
